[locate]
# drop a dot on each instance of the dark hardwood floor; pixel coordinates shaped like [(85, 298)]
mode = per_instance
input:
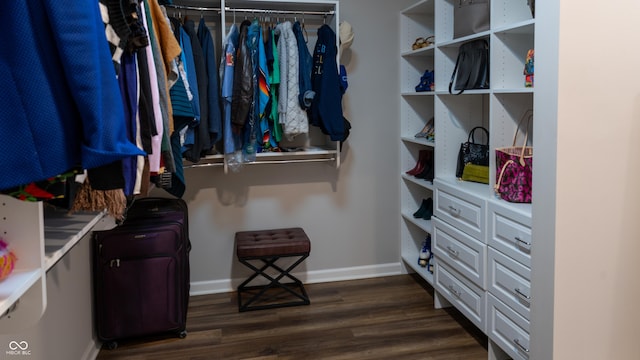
[(381, 318)]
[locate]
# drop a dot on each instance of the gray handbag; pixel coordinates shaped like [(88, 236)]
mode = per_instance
[(470, 17)]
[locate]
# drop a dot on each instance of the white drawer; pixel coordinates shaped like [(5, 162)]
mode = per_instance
[(462, 252), (465, 211), (507, 329), (509, 281), (510, 232), (462, 293)]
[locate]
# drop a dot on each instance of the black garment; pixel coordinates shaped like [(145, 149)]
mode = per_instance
[(202, 141), (213, 88), (145, 106), (242, 82)]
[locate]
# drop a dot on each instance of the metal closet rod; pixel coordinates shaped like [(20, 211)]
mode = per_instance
[(247, 10)]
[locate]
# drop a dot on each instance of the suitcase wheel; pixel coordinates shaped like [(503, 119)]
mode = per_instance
[(111, 345), (182, 334)]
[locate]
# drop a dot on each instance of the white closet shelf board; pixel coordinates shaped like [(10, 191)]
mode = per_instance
[(63, 231)]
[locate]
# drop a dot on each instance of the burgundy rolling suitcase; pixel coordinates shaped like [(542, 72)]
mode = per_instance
[(141, 272)]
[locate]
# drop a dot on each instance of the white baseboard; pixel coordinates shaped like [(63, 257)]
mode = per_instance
[(92, 350), (318, 276)]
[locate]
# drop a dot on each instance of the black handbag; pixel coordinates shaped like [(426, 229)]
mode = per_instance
[(472, 152), (472, 67)]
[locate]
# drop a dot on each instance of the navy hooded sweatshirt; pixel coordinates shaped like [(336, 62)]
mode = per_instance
[(326, 107)]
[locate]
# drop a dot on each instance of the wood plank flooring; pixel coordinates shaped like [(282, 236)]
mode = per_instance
[(380, 318)]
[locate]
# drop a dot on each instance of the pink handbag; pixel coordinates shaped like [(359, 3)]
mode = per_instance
[(513, 169)]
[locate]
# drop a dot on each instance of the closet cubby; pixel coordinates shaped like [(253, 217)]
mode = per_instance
[(470, 221), (507, 13), (417, 110), (417, 22), (39, 236), (456, 115), (445, 19), (446, 56), (508, 56), (414, 66), (304, 148), (417, 231)]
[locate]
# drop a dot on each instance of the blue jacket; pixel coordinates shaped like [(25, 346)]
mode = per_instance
[(61, 106), (326, 107), (304, 73)]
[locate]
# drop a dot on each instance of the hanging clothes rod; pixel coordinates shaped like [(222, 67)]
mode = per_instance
[(247, 10), (186, 7), (283, 12)]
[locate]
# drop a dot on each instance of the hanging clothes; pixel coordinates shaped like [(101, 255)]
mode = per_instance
[(252, 131), (273, 63), (200, 132), (227, 69), (242, 81), (157, 102), (326, 108), (306, 94), (213, 83), (57, 118), (293, 118)]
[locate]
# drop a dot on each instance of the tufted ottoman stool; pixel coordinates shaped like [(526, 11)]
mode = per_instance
[(266, 247)]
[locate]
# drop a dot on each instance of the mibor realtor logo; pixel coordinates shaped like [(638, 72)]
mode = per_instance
[(18, 348)]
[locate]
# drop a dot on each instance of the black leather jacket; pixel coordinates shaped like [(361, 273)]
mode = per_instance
[(242, 82)]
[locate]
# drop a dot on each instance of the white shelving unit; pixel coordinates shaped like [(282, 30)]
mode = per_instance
[(39, 238), (417, 108), (481, 243)]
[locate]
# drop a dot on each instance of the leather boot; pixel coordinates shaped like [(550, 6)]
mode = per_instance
[(419, 165)]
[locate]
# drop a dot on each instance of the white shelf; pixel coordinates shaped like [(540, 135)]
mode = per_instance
[(420, 182), (417, 93), (411, 259), (425, 225), (63, 231), (18, 283), (420, 141), (421, 52)]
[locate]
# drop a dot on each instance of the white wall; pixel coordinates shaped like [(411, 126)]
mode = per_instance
[(350, 214), (596, 242)]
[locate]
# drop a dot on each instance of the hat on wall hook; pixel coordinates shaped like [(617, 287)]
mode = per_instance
[(346, 36)]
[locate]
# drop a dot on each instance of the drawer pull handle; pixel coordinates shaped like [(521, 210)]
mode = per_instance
[(517, 342), (522, 295), (522, 241), (454, 211), (452, 251), (454, 292)]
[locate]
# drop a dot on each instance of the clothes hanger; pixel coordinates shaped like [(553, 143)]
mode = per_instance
[(304, 31)]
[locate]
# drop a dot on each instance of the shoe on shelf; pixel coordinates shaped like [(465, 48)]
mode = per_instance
[(426, 209), (419, 164), (426, 82), (426, 130), (425, 252), (427, 172), (423, 42)]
